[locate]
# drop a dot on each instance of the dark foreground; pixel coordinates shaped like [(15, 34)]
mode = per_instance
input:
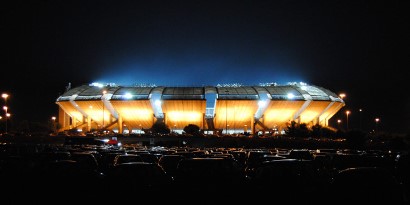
[(49, 170)]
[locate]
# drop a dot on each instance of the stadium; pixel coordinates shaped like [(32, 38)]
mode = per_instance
[(220, 109)]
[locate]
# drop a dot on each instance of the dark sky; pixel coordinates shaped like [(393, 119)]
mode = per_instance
[(356, 47)]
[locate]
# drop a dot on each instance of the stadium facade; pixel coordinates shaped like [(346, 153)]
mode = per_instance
[(226, 109)]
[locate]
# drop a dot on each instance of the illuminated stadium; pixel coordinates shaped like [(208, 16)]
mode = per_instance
[(221, 109)]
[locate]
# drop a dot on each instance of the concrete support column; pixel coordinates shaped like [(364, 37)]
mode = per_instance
[(88, 124), (74, 121), (253, 125), (120, 125)]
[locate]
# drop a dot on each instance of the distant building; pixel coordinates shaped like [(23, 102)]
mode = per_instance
[(227, 109)]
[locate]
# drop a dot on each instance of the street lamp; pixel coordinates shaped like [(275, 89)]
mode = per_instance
[(338, 123), (377, 120), (5, 96), (360, 119), (54, 123), (347, 119), (342, 96), (7, 118), (5, 108)]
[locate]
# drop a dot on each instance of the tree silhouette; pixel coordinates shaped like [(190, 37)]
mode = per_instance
[(297, 130), (192, 129), (160, 127)]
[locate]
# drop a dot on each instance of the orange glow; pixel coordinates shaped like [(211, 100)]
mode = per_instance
[(308, 116), (71, 110), (234, 113), (239, 114), (282, 115), (141, 114), (177, 116)]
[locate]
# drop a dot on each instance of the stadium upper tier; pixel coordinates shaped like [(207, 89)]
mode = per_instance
[(234, 109)]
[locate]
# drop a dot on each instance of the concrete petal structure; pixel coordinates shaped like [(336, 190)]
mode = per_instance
[(215, 109)]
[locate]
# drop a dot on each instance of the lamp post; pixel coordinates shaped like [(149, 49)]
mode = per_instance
[(347, 119), (360, 119), (342, 97), (338, 123), (7, 118), (54, 123), (5, 108), (377, 120), (5, 96)]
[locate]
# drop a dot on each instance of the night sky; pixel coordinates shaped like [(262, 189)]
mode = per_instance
[(356, 47)]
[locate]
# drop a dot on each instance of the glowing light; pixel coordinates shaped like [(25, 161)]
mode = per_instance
[(308, 115), (290, 96), (100, 85), (184, 116), (157, 102), (244, 114), (262, 103), (5, 96), (279, 115), (127, 96), (347, 119), (142, 114)]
